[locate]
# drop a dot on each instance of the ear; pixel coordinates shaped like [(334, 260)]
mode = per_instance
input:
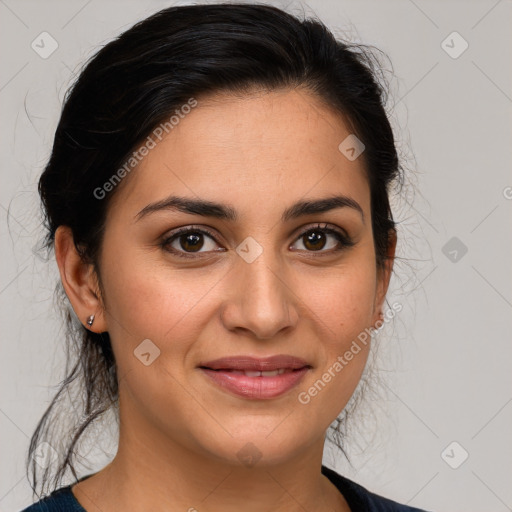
[(80, 281), (383, 278)]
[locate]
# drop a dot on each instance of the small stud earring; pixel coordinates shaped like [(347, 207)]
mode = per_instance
[(379, 321), (90, 320)]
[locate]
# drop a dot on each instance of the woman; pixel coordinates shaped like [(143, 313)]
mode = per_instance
[(217, 199)]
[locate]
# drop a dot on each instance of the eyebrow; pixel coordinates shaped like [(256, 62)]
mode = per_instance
[(225, 212)]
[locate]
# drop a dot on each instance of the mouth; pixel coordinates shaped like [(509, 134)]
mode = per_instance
[(255, 378), (255, 373), (280, 363)]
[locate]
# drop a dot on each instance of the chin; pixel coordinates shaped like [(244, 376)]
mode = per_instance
[(255, 447)]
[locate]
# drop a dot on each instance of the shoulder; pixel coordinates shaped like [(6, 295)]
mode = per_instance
[(360, 499), (60, 500)]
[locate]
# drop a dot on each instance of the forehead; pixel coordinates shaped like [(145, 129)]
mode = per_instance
[(257, 150)]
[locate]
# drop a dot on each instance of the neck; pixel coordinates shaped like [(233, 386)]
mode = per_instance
[(153, 469)]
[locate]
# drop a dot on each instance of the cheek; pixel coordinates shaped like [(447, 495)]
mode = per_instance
[(341, 300), (148, 297), (149, 300), (342, 304)]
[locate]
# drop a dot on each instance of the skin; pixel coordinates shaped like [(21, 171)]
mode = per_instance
[(179, 433)]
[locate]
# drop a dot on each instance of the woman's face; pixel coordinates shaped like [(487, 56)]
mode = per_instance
[(255, 278)]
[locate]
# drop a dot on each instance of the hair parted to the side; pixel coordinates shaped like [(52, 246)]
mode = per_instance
[(133, 84)]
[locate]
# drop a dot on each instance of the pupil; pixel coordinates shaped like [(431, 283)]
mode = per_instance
[(313, 238), (191, 242)]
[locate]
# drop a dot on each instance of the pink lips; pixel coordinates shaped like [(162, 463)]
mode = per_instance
[(256, 378)]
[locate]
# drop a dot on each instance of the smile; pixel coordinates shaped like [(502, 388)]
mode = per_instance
[(256, 378)]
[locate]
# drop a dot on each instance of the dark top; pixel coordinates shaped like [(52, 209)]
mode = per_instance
[(357, 497)]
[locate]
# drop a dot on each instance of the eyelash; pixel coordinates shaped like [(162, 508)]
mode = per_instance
[(344, 240)]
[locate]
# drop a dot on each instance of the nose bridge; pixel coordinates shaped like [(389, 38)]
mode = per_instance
[(262, 301)]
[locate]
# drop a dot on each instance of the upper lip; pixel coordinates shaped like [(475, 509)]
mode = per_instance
[(249, 363)]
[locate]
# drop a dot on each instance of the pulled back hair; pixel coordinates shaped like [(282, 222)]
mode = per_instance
[(133, 84)]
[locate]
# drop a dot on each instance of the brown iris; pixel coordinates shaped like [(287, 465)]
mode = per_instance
[(193, 242), (314, 240)]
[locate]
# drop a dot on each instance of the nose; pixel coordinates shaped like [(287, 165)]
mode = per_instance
[(260, 299)]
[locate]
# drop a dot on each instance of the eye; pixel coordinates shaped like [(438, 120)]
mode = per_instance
[(185, 242), (190, 240), (317, 238)]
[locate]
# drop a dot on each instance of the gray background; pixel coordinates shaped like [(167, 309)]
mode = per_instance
[(446, 361)]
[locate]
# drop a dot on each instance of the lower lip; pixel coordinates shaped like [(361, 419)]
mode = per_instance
[(256, 387)]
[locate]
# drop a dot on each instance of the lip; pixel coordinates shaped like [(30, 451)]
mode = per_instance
[(249, 363), (227, 374)]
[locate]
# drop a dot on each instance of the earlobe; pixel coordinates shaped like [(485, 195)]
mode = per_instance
[(378, 323), (79, 281)]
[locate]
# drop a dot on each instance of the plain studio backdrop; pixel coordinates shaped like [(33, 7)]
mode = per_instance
[(439, 435)]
